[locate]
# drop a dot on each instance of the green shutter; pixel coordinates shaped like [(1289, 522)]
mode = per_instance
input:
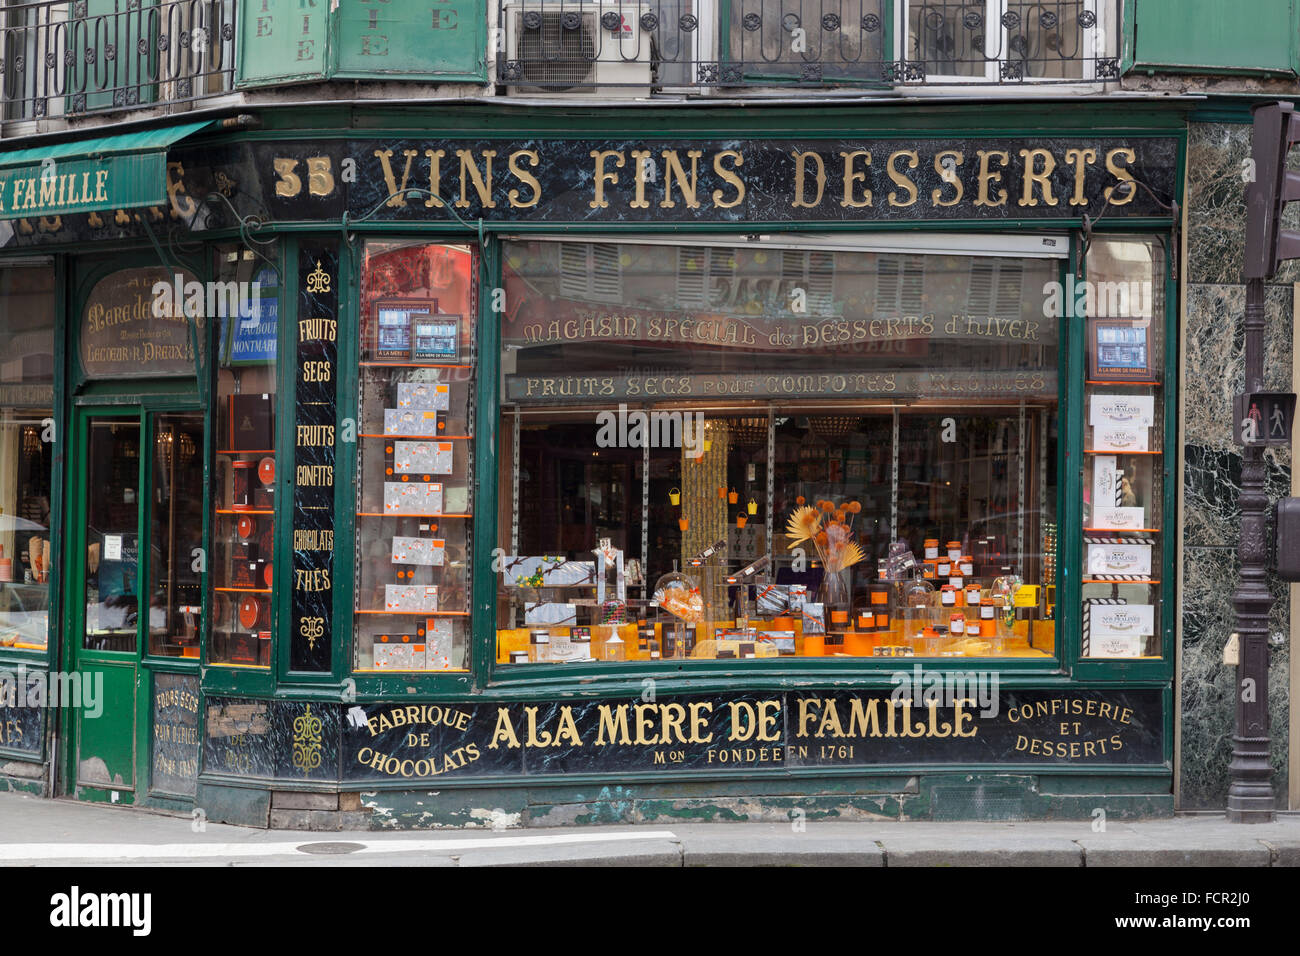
[(1189, 36)]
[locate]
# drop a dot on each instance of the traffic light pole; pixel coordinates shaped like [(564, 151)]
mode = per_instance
[(1251, 798)]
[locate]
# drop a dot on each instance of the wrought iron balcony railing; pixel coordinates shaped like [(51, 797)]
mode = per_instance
[(577, 45), (64, 58), (61, 58)]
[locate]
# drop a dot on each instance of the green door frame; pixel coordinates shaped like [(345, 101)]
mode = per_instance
[(144, 409), (74, 600)]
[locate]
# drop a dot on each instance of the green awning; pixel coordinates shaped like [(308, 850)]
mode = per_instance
[(108, 172)]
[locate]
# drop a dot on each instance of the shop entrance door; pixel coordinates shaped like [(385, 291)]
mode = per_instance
[(134, 586)]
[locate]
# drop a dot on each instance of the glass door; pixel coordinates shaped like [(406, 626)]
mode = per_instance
[(136, 583), (176, 534), (104, 585)]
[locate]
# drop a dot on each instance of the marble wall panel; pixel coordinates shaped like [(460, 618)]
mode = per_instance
[(1213, 373)]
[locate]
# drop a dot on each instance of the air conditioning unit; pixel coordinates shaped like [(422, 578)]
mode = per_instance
[(578, 48)]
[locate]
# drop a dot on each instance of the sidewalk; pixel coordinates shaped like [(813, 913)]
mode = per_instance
[(35, 831)]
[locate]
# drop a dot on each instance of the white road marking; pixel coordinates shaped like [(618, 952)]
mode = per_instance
[(16, 852)]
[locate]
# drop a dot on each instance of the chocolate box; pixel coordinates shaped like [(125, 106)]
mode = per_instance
[(413, 497)]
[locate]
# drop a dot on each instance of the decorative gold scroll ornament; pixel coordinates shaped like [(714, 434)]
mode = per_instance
[(318, 280), (307, 741)]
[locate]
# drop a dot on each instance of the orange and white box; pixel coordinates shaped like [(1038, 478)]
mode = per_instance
[(410, 597), (423, 551), (413, 497), (394, 652), (422, 457), (410, 421), (438, 644), (424, 395)]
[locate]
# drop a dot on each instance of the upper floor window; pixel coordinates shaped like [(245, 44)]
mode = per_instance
[(661, 45), (1000, 41)]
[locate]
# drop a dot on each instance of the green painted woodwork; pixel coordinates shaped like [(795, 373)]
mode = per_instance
[(281, 41), (299, 40), (1140, 788), (122, 735), (101, 755), (107, 172), (106, 755), (1209, 36), (438, 39)]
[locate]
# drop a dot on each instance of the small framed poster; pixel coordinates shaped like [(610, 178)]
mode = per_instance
[(1119, 350), (394, 325), (435, 338)]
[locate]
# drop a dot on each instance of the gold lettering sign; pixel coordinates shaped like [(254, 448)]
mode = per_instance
[(134, 324), (314, 580), (314, 435), (318, 330), (313, 540)]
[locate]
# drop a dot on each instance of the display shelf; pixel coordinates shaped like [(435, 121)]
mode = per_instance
[(1109, 451), (246, 451), (1145, 384), (1088, 530), (408, 514), (419, 437), (411, 670), (245, 590), (414, 613), (409, 365), (243, 511), (1120, 581), (407, 334)]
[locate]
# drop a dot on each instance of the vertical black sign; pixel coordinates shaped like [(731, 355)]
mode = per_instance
[(315, 405), (175, 733)]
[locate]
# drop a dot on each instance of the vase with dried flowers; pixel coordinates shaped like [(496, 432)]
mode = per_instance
[(830, 528)]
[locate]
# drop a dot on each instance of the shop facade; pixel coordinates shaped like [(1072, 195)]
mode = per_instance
[(533, 468)]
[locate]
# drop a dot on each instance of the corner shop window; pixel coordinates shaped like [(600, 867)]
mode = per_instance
[(26, 413), (244, 470), (414, 457), (1123, 489), (755, 451)]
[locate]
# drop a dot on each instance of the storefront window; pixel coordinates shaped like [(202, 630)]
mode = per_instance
[(26, 452), (245, 471), (176, 534), (1123, 480), (775, 449), (414, 457)]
